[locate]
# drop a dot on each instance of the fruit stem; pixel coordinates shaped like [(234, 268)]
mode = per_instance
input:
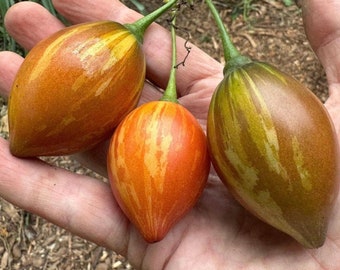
[(232, 56), (170, 93), (139, 27)]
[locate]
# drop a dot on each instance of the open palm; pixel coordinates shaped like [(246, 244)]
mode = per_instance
[(218, 233)]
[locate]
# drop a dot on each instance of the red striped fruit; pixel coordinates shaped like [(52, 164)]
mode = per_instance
[(274, 146), (74, 88), (158, 165)]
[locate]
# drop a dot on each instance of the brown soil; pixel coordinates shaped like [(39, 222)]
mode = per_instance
[(272, 33)]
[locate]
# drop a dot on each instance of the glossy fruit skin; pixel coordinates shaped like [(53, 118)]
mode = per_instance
[(74, 88), (158, 165), (273, 144)]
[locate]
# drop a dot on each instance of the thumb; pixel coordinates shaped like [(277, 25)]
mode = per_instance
[(322, 25)]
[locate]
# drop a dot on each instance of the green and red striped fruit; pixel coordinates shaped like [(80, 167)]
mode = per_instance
[(273, 144), (158, 165), (74, 88)]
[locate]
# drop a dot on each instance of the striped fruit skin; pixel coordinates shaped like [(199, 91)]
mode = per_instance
[(74, 88), (158, 165), (273, 144)]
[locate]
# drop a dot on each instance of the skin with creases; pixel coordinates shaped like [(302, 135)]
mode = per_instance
[(74, 88), (158, 165), (275, 148)]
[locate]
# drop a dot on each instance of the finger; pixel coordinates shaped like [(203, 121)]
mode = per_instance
[(322, 24), (9, 65), (157, 42), (321, 21), (80, 204), (87, 10), (28, 30), (333, 108)]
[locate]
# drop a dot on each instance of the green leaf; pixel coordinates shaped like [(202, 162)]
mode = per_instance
[(8, 43), (288, 3), (141, 8)]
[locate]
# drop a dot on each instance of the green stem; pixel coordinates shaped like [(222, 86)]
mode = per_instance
[(170, 93), (232, 56), (139, 27)]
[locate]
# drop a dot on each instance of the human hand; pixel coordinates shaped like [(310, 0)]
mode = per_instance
[(217, 233), (322, 25)]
